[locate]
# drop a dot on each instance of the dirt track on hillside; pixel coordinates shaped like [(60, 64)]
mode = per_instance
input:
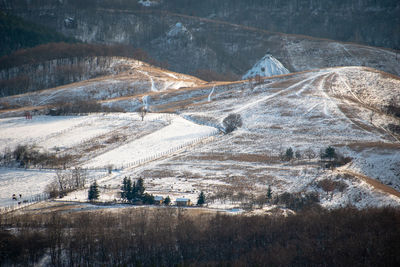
[(373, 182)]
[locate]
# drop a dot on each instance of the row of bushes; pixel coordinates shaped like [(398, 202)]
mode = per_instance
[(29, 156), (328, 156), (79, 107)]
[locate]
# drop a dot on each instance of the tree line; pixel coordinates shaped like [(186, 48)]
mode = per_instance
[(59, 50), (18, 34), (174, 237)]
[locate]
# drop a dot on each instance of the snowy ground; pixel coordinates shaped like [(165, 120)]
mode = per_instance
[(181, 157), (307, 111), (141, 79), (179, 133), (157, 136)]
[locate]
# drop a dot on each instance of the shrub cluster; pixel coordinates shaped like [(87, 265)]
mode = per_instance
[(297, 201), (393, 109), (65, 182), (29, 156), (232, 122), (79, 107), (329, 185), (394, 128)]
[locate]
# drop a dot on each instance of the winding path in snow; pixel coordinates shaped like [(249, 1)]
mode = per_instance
[(212, 91), (153, 88), (268, 97), (372, 182)]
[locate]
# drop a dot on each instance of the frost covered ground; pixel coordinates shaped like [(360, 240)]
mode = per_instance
[(140, 79), (181, 155), (98, 140)]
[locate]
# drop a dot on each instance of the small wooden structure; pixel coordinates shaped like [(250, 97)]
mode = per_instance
[(182, 202), (158, 200)]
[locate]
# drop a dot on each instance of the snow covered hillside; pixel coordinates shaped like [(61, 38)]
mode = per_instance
[(266, 67), (307, 112), (139, 79), (182, 154)]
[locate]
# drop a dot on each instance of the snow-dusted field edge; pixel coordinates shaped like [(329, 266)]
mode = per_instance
[(47, 132)]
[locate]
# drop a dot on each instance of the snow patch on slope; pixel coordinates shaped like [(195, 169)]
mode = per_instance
[(179, 30), (148, 3), (266, 67)]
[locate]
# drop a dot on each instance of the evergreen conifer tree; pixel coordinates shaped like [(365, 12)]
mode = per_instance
[(269, 193), (201, 199), (289, 153), (140, 188), (93, 193), (167, 200), (330, 153), (126, 188), (132, 192)]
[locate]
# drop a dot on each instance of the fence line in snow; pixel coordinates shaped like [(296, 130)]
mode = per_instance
[(165, 116), (185, 145), (22, 203)]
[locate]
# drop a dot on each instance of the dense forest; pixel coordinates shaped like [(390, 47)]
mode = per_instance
[(22, 71), (366, 21), (174, 237), (17, 34), (60, 50)]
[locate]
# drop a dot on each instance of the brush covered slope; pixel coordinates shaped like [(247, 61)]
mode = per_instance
[(190, 44), (180, 155), (125, 78), (308, 112)]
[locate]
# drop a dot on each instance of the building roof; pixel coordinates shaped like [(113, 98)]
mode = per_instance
[(182, 199), (158, 198)]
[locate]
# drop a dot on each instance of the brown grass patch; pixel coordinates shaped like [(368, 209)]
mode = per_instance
[(276, 127), (358, 147), (317, 117), (286, 83), (302, 131), (159, 173), (241, 157), (94, 148)]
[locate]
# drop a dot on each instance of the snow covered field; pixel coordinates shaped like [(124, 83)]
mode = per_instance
[(175, 135), (164, 135)]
